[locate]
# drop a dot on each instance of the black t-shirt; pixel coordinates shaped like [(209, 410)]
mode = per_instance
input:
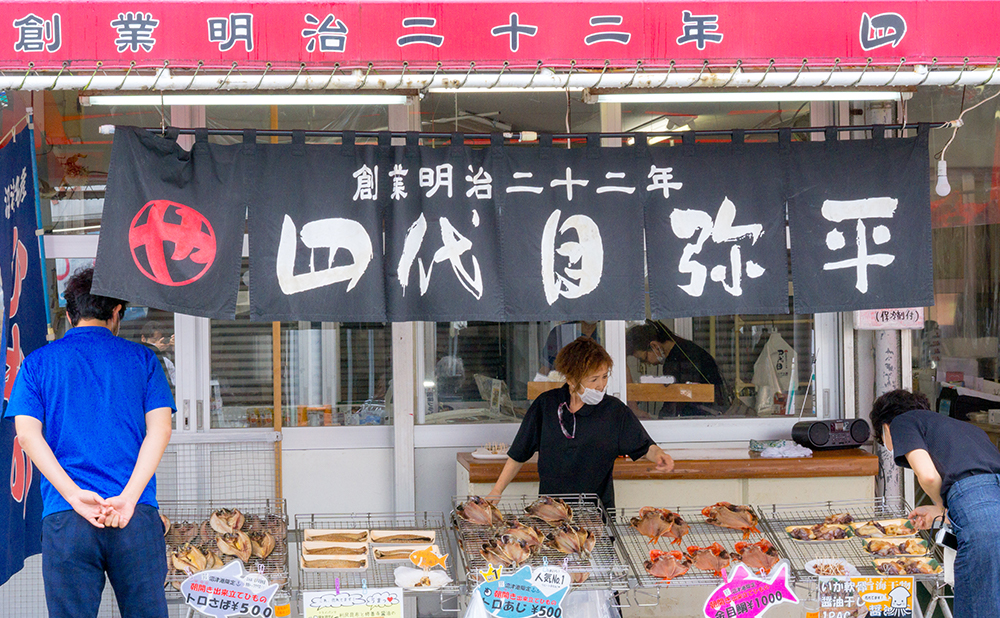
[(688, 362), (957, 448), (584, 463)]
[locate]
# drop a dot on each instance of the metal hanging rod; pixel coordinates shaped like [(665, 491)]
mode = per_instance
[(531, 136)]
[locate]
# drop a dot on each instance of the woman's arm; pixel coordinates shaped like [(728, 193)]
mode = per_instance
[(664, 462), (510, 470), (927, 474)]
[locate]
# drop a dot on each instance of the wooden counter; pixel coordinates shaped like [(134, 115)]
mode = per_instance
[(705, 476), (704, 464)]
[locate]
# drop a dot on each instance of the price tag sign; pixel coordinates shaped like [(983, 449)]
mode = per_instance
[(847, 597), (229, 591), (365, 603), (526, 593), (745, 595)]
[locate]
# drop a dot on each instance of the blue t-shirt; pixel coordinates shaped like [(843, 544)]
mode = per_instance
[(91, 390)]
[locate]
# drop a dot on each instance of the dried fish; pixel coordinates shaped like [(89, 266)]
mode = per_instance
[(235, 544), (733, 516), (261, 544), (480, 512), (341, 537), (571, 539), (181, 533), (224, 521), (166, 523), (529, 534), (188, 559), (253, 523), (551, 510), (404, 538), (276, 525), (666, 564), (712, 558), (506, 551)]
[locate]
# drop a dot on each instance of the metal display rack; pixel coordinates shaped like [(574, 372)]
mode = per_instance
[(775, 518), (274, 567), (603, 571), (636, 547), (379, 574)]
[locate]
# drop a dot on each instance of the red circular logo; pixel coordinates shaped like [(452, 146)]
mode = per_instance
[(171, 243)]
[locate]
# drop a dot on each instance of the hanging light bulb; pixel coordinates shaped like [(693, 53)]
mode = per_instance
[(942, 187)]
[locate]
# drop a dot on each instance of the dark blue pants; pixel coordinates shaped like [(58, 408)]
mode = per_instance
[(974, 511), (76, 555)]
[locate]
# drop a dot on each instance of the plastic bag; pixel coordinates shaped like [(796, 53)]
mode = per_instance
[(772, 373)]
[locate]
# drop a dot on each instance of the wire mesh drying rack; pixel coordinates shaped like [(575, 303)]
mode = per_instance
[(273, 519), (379, 574), (603, 571), (636, 547), (775, 518)]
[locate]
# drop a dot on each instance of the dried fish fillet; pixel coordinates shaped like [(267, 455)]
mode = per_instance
[(333, 563), (339, 537), (403, 538), (320, 548)]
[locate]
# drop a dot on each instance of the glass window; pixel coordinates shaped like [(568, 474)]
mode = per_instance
[(958, 345), (336, 373), (488, 372)]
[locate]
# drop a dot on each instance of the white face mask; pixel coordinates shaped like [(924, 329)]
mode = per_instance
[(660, 357), (592, 397)]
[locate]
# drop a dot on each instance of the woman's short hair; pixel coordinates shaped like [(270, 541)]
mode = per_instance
[(581, 358), (892, 404)]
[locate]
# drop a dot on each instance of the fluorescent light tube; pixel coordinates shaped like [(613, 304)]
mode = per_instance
[(156, 100), (753, 96)]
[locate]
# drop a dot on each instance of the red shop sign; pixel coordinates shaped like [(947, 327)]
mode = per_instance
[(352, 34)]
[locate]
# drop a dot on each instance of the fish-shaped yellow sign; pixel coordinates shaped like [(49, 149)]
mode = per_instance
[(426, 559)]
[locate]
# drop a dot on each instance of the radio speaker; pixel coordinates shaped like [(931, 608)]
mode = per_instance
[(826, 435)]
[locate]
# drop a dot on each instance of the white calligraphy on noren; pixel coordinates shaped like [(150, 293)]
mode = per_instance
[(686, 223), (582, 274), (330, 234), (838, 211)]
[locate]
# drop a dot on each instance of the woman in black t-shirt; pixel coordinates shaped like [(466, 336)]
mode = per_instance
[(958, 468), (578, 431)]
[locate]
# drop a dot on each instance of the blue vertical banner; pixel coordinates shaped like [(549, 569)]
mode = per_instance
[(23, 331)]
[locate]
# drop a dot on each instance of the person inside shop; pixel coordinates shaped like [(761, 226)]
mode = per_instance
[(578, 431), (958, 467), (154, 336), (559, 336), (93, 411), (682, 360)]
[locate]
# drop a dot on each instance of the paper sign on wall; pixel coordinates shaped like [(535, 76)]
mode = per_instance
[(365, 603), (911, 318)]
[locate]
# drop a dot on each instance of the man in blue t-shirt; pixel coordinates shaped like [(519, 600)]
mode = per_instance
[(93, 412)]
